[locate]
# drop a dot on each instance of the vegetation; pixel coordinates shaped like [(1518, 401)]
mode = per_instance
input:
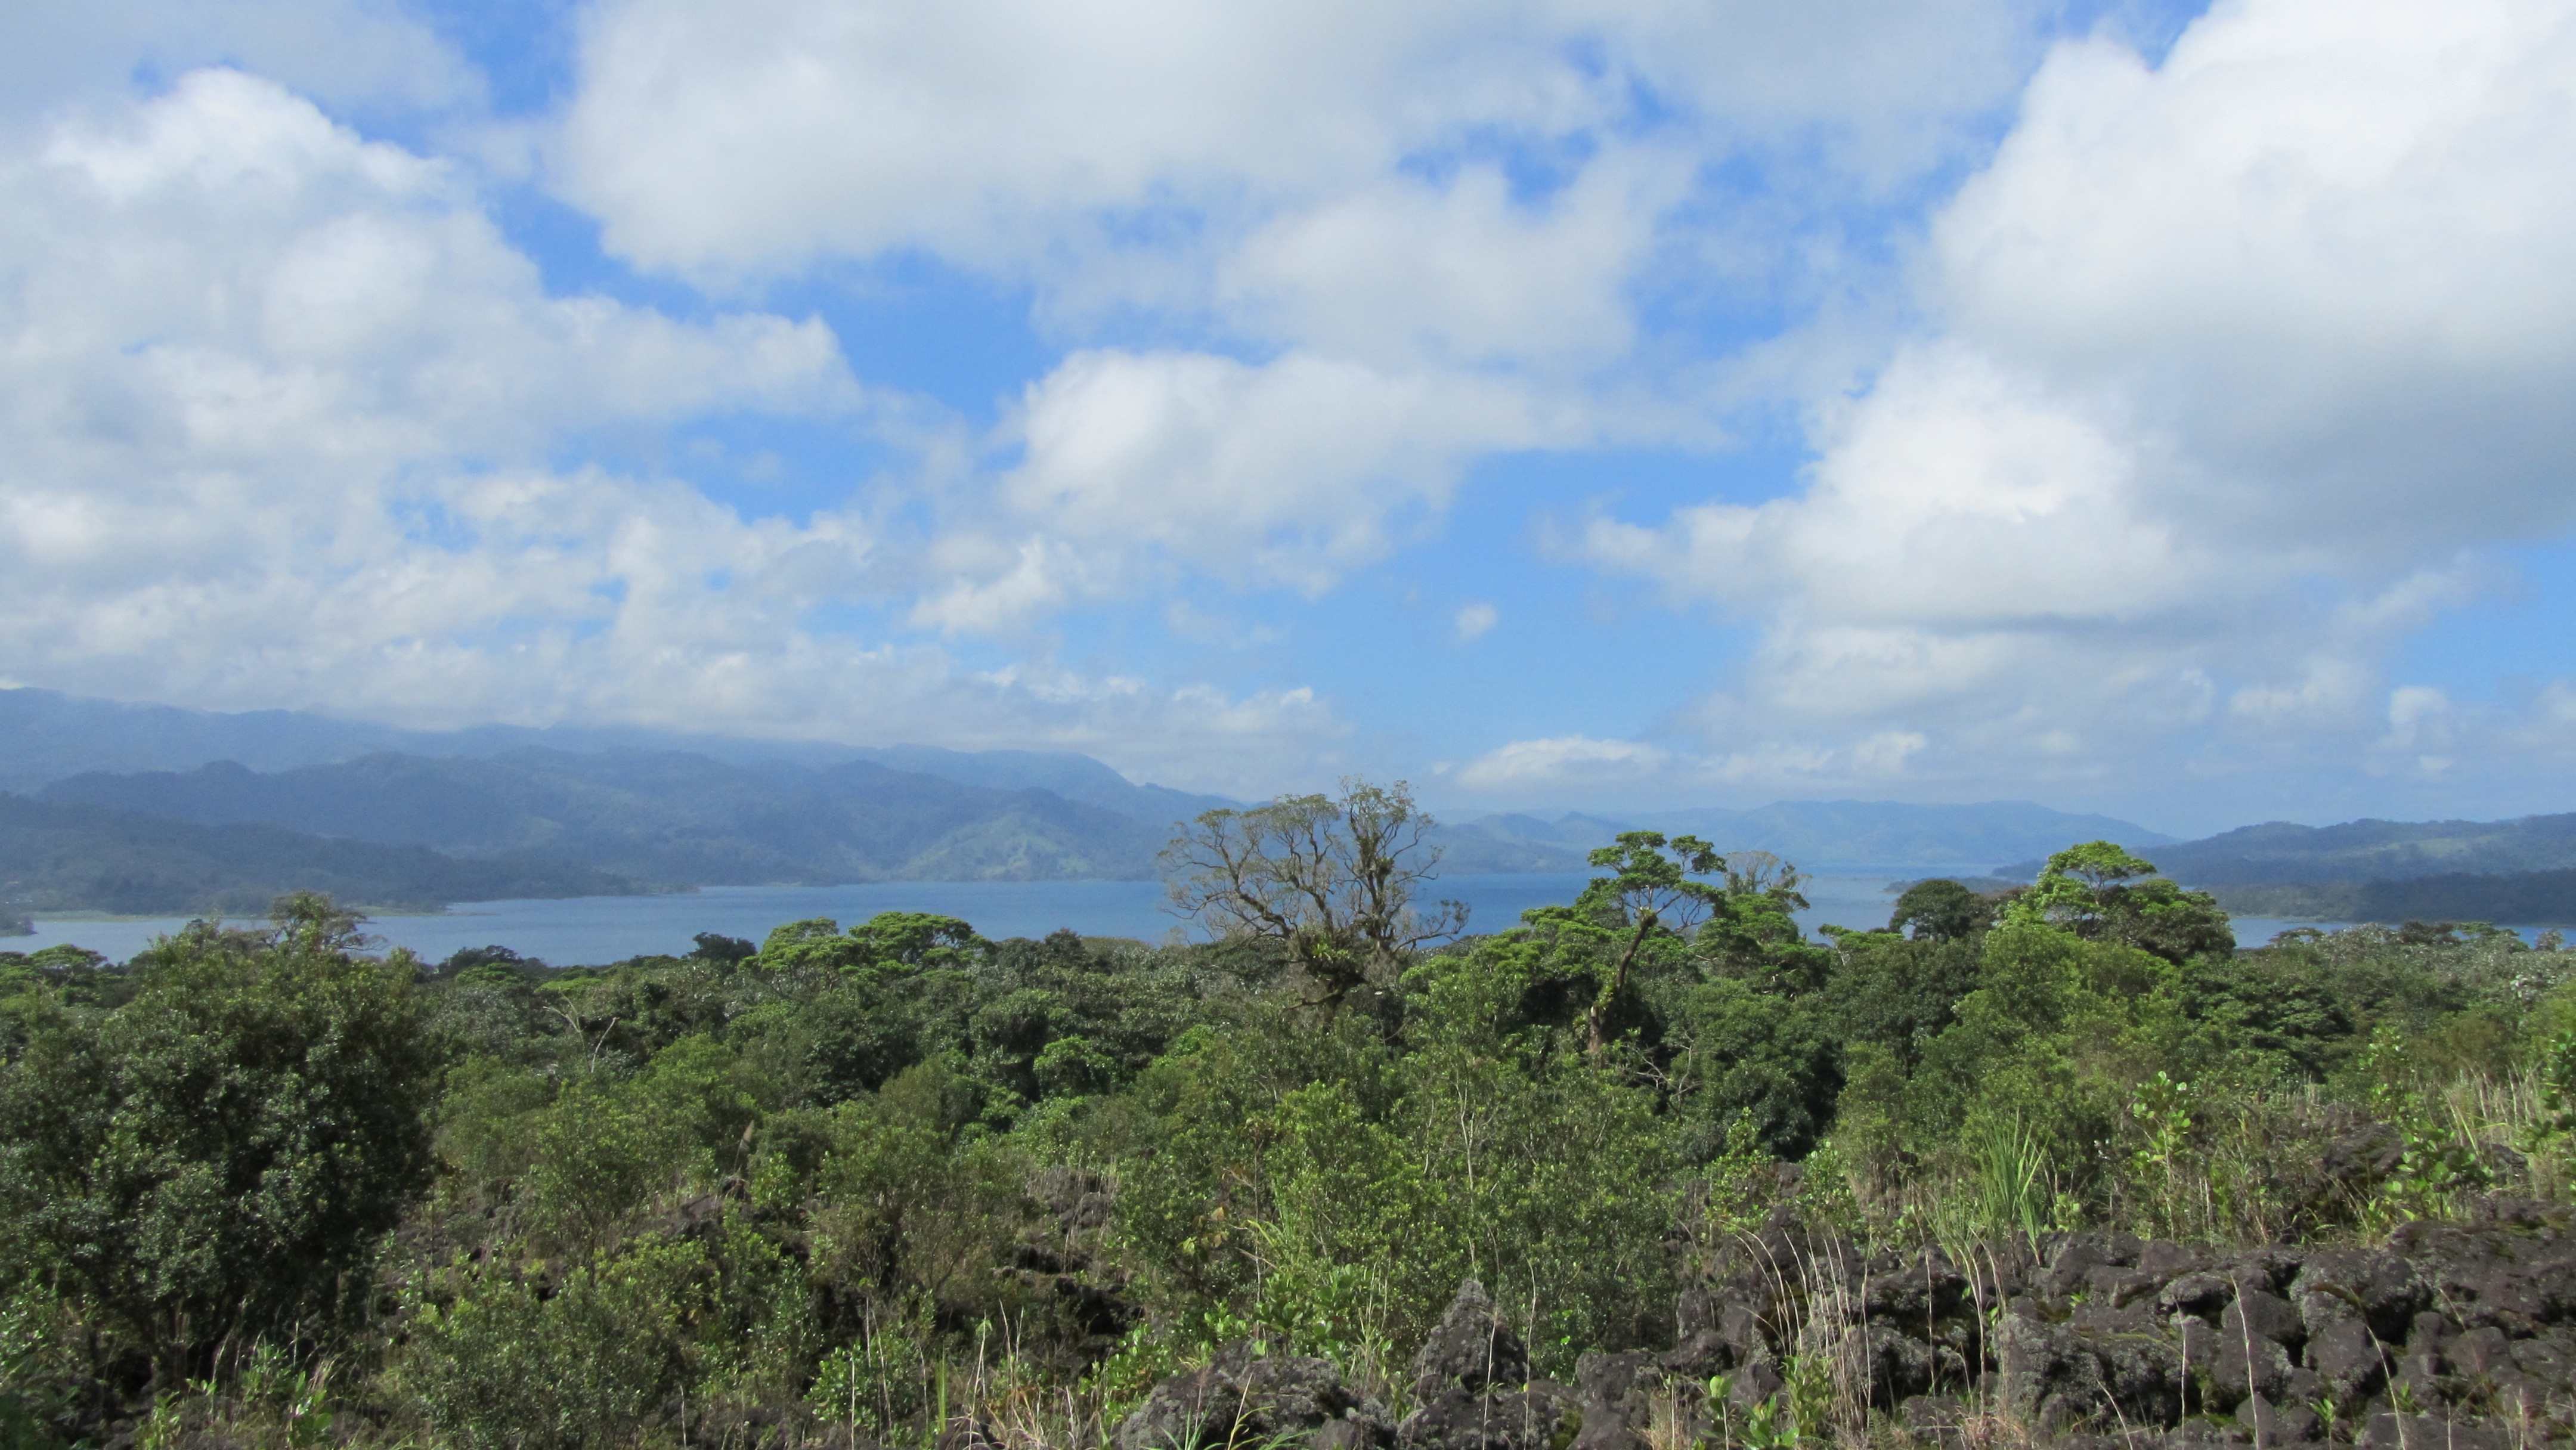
[(892, 1181)]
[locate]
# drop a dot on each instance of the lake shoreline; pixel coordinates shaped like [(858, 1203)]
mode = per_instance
[(592, 930)]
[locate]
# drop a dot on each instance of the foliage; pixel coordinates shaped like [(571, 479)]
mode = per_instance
[(857, 1183), (2099, 891), (215, 1157), (1940, 910)]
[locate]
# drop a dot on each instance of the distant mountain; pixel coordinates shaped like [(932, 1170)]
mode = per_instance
[(2278, 853), (1475, 849), (1074, 777), (46, 736), (673, 808), (2519, 898), (64, 857), (661, 816), (1813, 835)]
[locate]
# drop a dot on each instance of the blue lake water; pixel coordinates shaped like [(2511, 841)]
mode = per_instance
[(592, 929)]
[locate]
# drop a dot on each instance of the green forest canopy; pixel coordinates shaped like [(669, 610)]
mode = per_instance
[(260, 1177)]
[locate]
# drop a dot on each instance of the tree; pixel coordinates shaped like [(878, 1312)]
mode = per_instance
[(897, 943), (1651, 886), (1941, 910), (2100, 891), (212, 1160), (1331, 881)]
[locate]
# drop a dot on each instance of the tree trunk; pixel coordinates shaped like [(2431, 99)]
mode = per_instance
[(1597, 1022)]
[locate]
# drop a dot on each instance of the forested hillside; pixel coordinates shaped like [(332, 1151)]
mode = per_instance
[(92, 858), (2525, 898), (2279, 853), (663, 817), (2035, 1167), (46, 736), (2520, 871)]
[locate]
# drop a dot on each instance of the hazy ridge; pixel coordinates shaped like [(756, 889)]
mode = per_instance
[(521, 811)]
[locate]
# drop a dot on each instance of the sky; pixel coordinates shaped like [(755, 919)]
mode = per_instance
[(1559, 404)]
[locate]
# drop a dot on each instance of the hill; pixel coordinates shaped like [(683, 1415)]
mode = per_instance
[(46, 736), (65, 857), (2518, 898), (1820, 834), (661, 816), (2280, 853), (2521, 872)]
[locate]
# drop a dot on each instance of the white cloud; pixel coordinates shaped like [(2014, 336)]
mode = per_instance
[(2321, 245), (1405, 270), (282, 406), (1541, 765), (1586, 772), (1380, 242), (356, 54), (1287, 473), (761, 136), (1475, 619), (2236, 356)]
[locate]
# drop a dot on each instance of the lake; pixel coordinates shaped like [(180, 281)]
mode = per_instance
[(590, 929)]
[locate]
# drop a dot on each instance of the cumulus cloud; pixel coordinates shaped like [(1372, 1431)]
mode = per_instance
[(1404, 270), (1281, 474), (357, 54), (283, 404), (762, 136), (2236, 356), (1587, 772), (2224, 371), (1541, 765), (1397, 238)]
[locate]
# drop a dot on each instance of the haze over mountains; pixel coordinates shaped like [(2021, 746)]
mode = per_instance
[(2521, 871), (146, 808), (558, 811), (1850, 833), (75, 858)]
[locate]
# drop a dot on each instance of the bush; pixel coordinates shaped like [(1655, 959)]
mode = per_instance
[(215, 1159)]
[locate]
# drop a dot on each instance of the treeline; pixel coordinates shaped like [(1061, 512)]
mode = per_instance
[(892, 1182)]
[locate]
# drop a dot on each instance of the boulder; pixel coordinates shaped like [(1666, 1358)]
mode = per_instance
[(2264, 1316), (2379, 1287), (2391, 1431), (1240, 1397), (1541, 1416), (1617, 1394), (2348, 1359), (1472, 1388), (1471, 1349)]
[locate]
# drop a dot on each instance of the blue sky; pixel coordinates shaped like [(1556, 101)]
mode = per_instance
[(1559, 405)]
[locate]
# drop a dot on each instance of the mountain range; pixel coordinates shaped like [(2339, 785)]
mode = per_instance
[(87, 858), (2521, 871), (661, 817), (2279, 852), (279, 798)]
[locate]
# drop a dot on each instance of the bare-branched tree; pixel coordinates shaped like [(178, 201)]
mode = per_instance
[(1332, 880)]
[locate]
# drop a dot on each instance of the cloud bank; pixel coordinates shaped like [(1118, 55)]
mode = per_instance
[(2145, 408)]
